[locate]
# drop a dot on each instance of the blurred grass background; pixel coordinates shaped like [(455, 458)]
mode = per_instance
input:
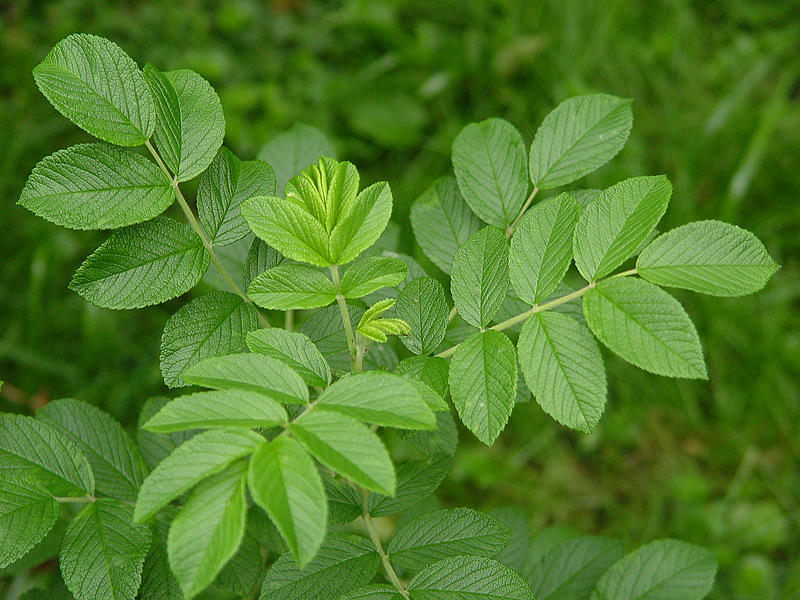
[(716, 89)]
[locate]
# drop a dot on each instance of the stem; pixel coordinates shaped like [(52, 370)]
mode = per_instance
[(75, 499), (288, 323), (187, 210), (452, 314), (387, 565), (348, 326), (510, 229)]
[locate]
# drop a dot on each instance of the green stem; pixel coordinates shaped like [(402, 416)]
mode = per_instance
[(75, 499), (452, 314), (187, 210), (387, 565), (348, 326), (510, 229)]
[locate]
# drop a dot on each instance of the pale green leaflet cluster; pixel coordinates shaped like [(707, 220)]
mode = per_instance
[(250, 483)]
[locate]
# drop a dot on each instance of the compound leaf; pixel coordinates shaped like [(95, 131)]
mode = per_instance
[(416, 480), (469, 578), (709, 257), (483, 383), (284, 481), (614, 225), (141, 265), (489, 159), (541, 248), (479, 278), (563, 368), (93, 83), (580, 135), (293, 150), (96, 186), (442, 221), (372, 273), (292, 286), (423, 306), (102, 552), (646, 326), (27, 514)]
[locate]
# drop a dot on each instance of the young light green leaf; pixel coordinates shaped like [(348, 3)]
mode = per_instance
[(208, 530), (242, 572), (483, 383), (347, 447), (434, 536), (580, 135), (293, 150), (469, 578), (284, 481), (222, 188), (250, 372), (218, 409), (366, 275), (541, 248), (416, 480), (102, 553), (375, 591), (489, 159), (572, 569), (190, 124), (709, 257), (563, 368), (260, 257), (96, 186), (93, 83), (660, 569), (377, 397), (479, 278), (344, 562), (292, 286), (613, 226), (27, 514), (141, 265), (200, 457), (646, 326), (39, 452), (155, 447), (362, 223), (117, 465), (442, 221), (296, 350), (211, 325), (422, 305)]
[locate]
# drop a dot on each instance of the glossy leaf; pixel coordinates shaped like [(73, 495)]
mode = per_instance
[(366, 275)]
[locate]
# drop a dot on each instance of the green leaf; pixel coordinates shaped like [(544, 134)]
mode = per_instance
[(516, 551), (344, 501), (344, 562), (646, 326), (190, 124), (489, 159), (660, 569), (479, 278), (293, 150), (141, 265), (416, 480), (284, 481), (222, 188), (442, 222), (572, 569), (377, 329), (545, 540), (158, 582), (250, 372), (541, 248), (102, 553), (372, 273), (375, 591), (580, 135), (93, 83), (325, 330), (377, 397), (483, 383), (155, 447), (709, 257), (38, 451), (208, 530), (296, 350), (442, 439), (430, 370), (613, 226), (96, 186), (469, 578), (241, 574), (585, 196), (422, 305), (27, 514), (217, 410), (260, 257), (292, 286), (361, 225), (211, 325), (434, 536), (347, 447), (563, 368), (117, 465), (200, 457)]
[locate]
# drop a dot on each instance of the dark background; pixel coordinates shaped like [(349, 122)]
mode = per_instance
[(716, 90)]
